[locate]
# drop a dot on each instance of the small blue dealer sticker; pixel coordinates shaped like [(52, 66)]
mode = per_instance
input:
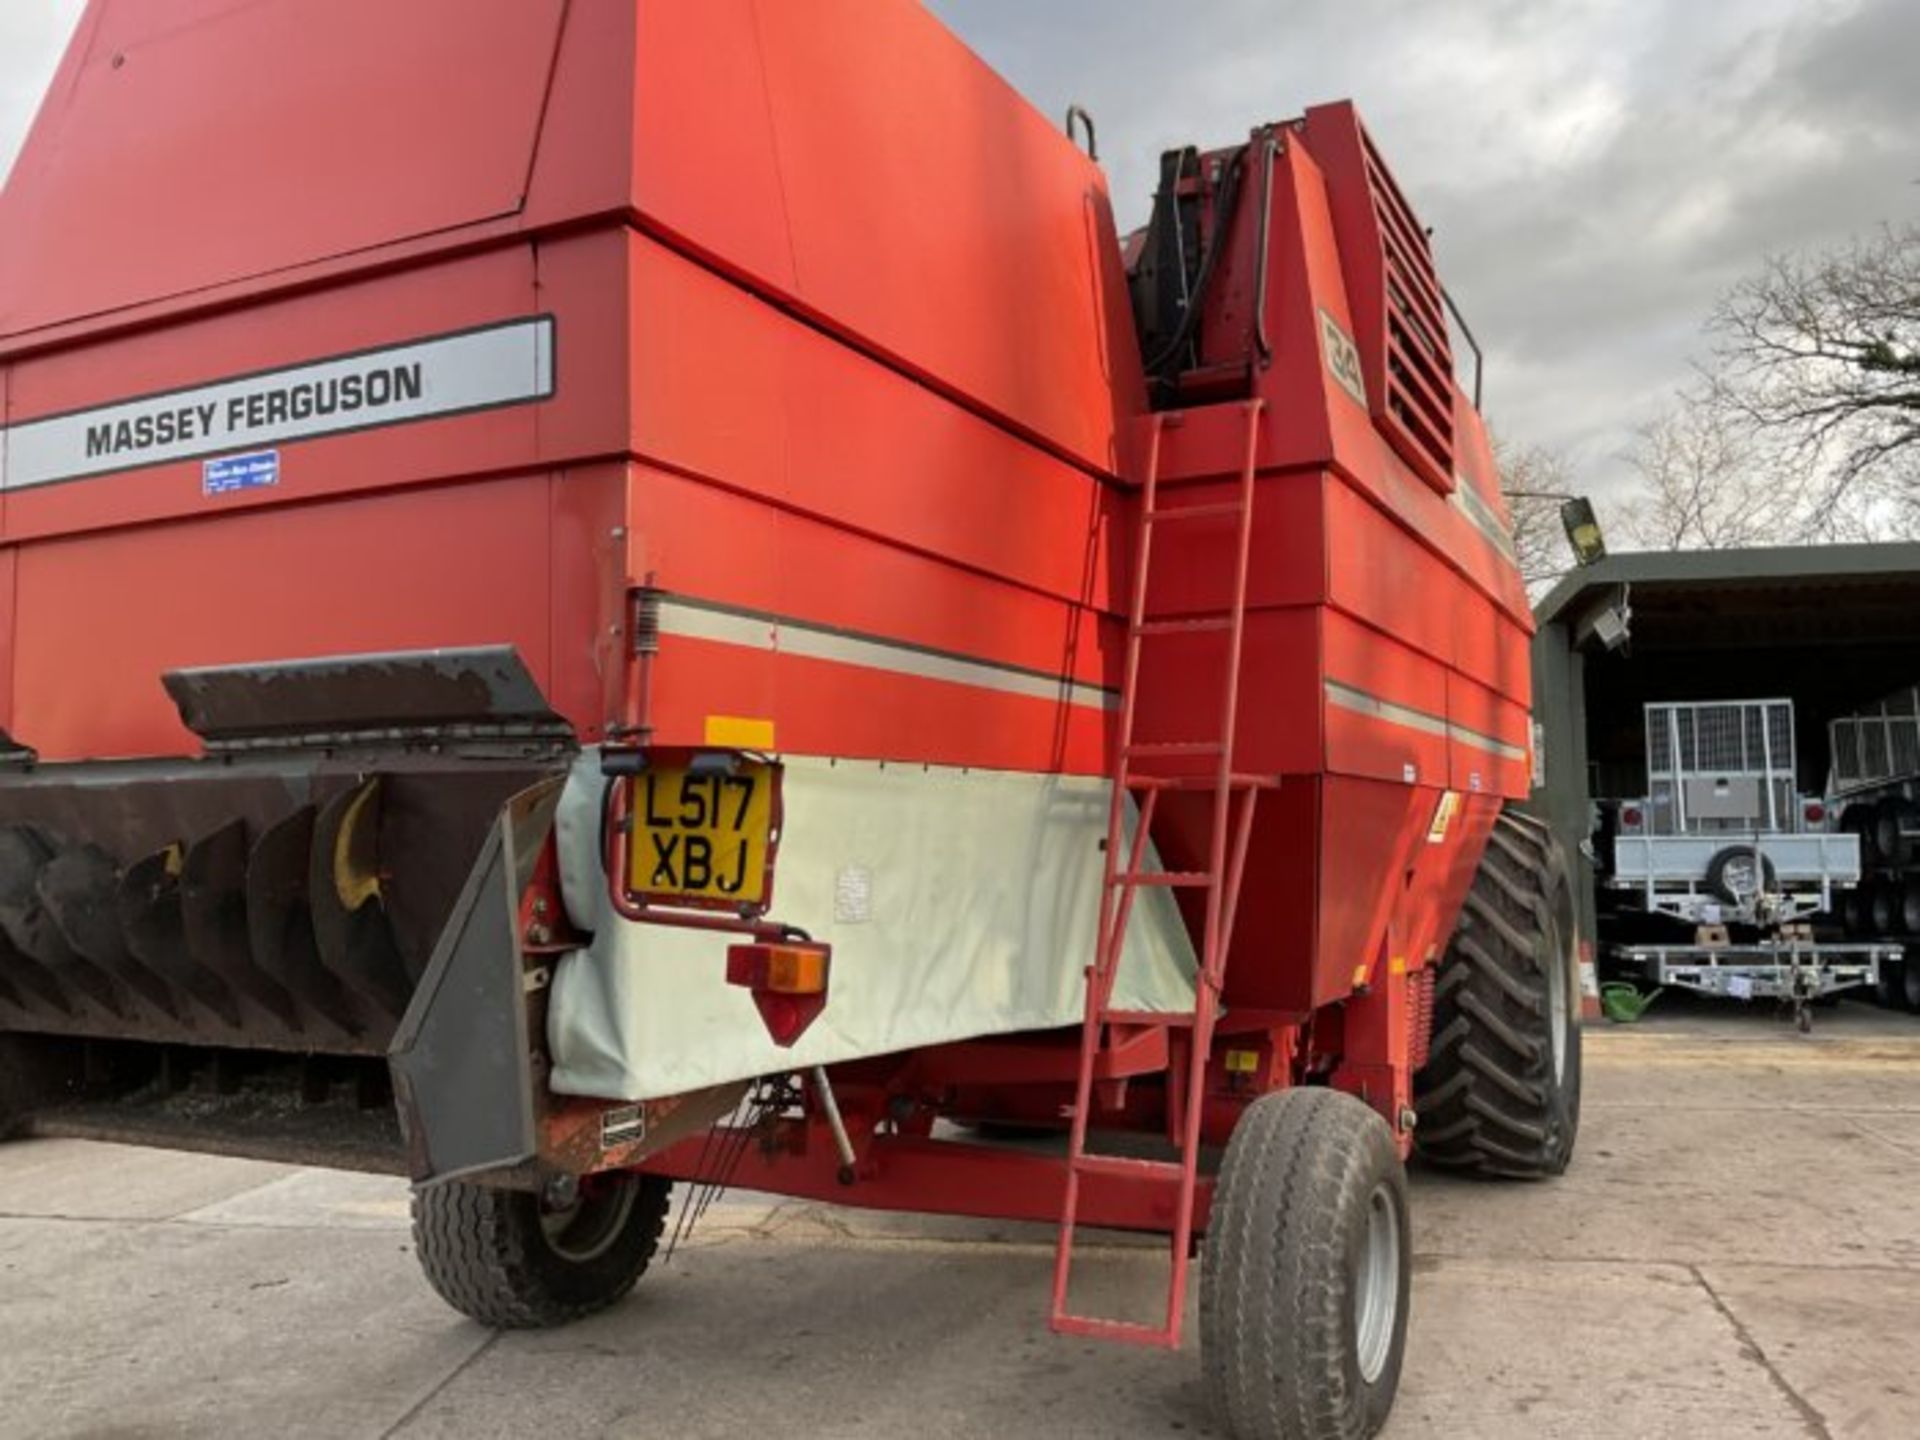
[(229, 473)]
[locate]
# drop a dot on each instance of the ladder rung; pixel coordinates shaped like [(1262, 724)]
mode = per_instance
[(1236, 781), (1174, 747), (1195, 512), (1126, 1167), (1129, 1331), (1200, 625), (1172, 879)]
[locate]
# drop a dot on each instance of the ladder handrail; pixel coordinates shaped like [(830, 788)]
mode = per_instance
[(1229, 834)]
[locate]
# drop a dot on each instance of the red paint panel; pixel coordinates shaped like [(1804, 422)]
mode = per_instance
[(463, 565), (701, 113), (728, 388), (262, 107), (1475, 768), (822, 707), (696, 539), (590, 621), (1491, 648), (1277, 922), (973, 261), (1181, 696), (1377, 663), (1369, 745), (1379, 573), (1194, 559), (1369, 836)]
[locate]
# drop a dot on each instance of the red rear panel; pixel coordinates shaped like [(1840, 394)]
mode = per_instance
[(194, 142)]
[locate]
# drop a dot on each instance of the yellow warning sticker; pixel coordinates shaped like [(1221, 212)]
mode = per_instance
[(1243, 1062), (1443, 814)]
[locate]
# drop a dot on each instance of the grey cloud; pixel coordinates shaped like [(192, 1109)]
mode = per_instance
[(32, 35), (1596, 171)]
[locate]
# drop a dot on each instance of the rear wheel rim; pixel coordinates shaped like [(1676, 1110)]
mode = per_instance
[(1559, 1007), (1742, 877), (588, 1226), (1376, 1291)]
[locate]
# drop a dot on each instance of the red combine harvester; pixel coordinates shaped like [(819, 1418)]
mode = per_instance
[(596, 594)]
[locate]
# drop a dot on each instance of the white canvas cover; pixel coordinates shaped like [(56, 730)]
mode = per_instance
[(959, 903)]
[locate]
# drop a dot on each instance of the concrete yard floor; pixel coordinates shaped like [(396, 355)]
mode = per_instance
[(1734, 1252)]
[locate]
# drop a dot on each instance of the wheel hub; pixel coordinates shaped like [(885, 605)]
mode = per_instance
[(587, 1225), (1376, 1291)]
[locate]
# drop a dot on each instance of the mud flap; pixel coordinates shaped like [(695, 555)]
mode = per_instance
[(462, 1059)]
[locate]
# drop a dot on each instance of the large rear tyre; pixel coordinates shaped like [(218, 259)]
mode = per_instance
[(1500, 1092), (1304, 1285), (509, 1259)]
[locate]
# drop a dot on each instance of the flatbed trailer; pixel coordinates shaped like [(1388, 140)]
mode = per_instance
[(1795, 972)]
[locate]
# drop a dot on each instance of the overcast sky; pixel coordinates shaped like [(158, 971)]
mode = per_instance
[(1595, 171)]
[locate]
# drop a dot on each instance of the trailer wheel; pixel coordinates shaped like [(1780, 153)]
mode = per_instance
[(511, 1261), (1303, 1298), (1883, 901), (1889, 987), (1500, 1092), (1910, 905), (1893, 820), (1857, 819), (1856, 915)]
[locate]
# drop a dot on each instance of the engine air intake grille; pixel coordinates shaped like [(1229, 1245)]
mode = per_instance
[(1419, 378), (1399, 312)]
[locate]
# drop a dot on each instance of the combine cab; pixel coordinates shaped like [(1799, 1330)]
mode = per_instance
[(599, 595)]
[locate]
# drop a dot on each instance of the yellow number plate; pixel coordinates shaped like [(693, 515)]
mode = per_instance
[(703, 834)]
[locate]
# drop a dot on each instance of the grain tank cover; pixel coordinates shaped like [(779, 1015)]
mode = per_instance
[(109, 209)]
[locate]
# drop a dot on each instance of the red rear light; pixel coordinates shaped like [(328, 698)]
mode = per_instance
[(1630, 817), (788, 980), (1816, 813)]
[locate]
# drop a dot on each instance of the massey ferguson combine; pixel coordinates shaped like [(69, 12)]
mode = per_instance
[(597, 594)]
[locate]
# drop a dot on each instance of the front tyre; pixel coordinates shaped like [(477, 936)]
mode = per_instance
[(514, 1261), (1308, 1261), (1500, 1092)]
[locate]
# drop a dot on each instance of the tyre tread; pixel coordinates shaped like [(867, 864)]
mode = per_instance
[(475, 1244), (1486, 1098)]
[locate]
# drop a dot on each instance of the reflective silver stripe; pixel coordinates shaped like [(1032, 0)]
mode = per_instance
[(1502, 748), (1361, 703), (1481, 516), (695, 621)]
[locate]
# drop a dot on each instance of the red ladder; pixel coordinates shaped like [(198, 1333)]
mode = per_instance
[(1227, 850)]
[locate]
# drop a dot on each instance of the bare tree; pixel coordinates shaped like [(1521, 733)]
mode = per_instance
[(1533, 477), (1820, 355), (1704, 484)]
